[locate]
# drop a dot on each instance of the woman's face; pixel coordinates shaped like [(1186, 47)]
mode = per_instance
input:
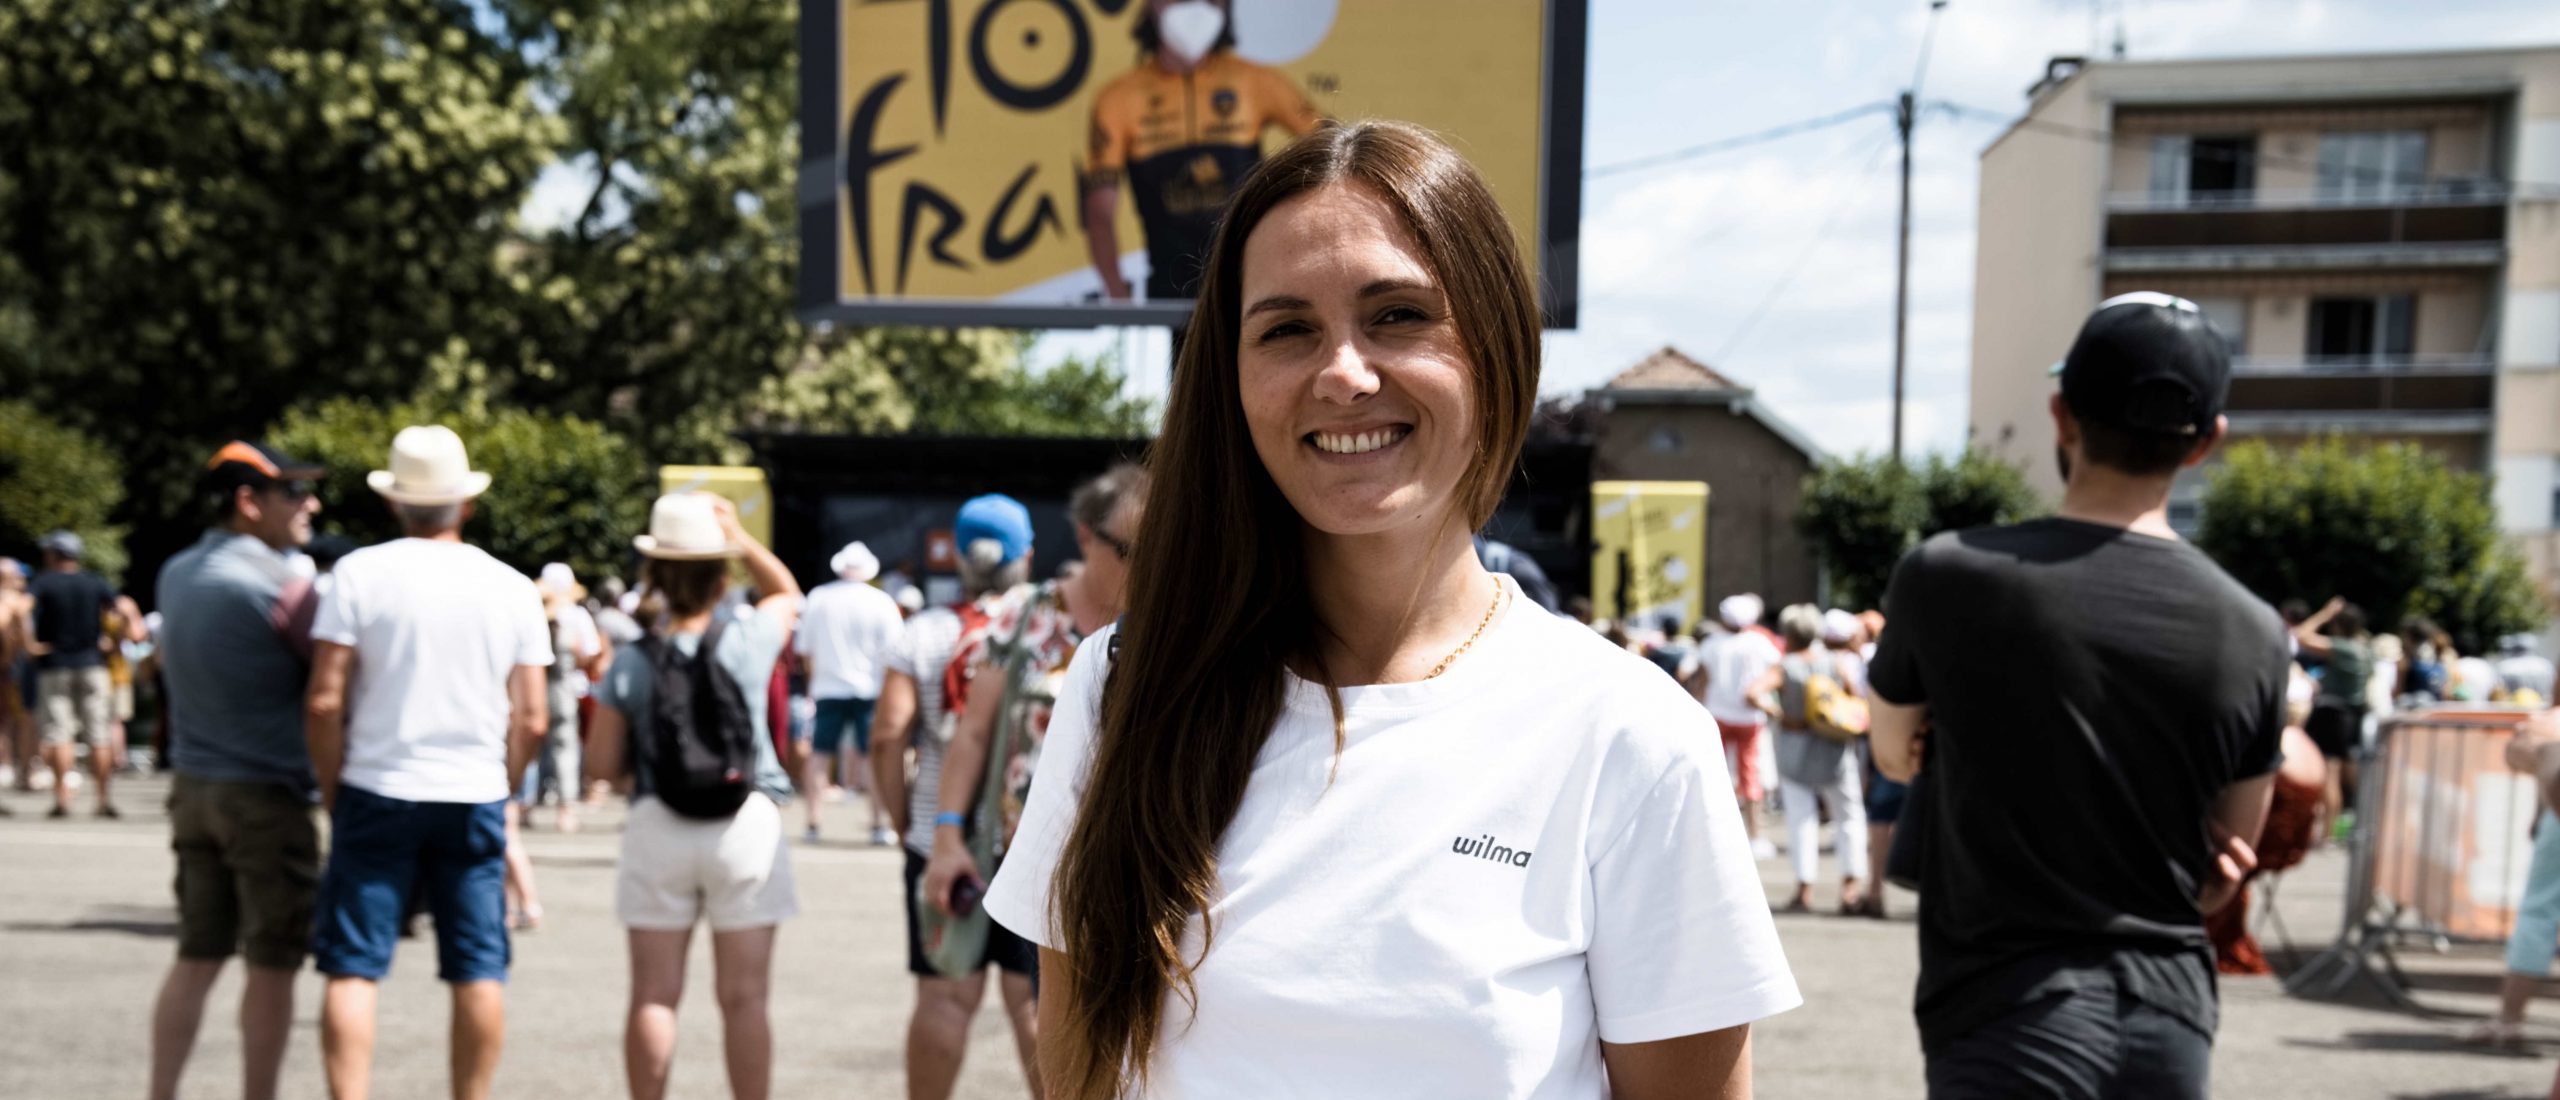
[(1355, 383)]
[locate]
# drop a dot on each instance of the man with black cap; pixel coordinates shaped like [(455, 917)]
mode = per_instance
[(240, 805), (2093, 709)]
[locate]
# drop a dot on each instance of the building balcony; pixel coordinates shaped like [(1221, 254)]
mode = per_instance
[(2365, 366), (2434, 193), (2367, 422), (2202, 257)]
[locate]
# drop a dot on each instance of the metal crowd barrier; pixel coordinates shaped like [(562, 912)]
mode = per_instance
[(2439, 851)]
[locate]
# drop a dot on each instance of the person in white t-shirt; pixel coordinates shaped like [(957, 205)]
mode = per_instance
[(425, 703), (584, 654), (1345, 816), (846, 636), (1730, 663)]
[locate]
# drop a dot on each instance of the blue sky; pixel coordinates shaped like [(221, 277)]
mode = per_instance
[(1799, 233)]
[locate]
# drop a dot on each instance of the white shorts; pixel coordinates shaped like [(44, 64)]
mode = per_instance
[(678, 870)]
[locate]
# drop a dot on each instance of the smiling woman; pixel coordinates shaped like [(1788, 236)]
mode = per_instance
[(1239, 829)]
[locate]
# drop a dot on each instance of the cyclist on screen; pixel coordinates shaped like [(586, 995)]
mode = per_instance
[(1183, 128)]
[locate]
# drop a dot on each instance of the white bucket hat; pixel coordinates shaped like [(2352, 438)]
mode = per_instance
[(682, 527), (1839, 626), (856, 563), (428, 467), (1739, 612)]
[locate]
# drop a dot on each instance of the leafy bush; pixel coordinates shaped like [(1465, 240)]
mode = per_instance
[(52, 476), (1864, 513), (561, 488), (2392, 528)]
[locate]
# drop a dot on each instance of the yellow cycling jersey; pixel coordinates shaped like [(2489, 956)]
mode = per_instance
[(1184, 142)]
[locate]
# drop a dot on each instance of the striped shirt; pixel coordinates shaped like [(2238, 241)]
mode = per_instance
[(922, 652)]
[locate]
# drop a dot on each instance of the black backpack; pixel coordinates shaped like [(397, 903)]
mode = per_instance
[(702, 737)]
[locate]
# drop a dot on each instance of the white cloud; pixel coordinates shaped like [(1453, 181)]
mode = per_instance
[(1683, 255)]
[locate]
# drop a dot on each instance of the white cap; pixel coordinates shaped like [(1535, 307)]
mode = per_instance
[(1739, 612), (558, 577), (1839, 626), (855, 562)]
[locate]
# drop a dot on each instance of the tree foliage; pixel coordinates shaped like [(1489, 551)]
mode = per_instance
[(2392, 528), (561, 488), (207, 209), (52, 476), (212, 212), (1863, 514)]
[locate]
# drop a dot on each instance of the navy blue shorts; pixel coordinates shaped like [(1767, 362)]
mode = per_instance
[(452, 855), (836, 717), (1884, 798)]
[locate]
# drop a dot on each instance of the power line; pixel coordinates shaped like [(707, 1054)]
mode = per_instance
[(1821, 237), (1720, 145)]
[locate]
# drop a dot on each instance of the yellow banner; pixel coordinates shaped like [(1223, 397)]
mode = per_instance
[(743, 485), (1649, 551), (970, 128)]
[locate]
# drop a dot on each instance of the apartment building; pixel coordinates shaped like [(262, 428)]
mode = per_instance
[(2377, 236)]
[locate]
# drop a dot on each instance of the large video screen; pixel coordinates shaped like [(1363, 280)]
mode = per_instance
[(1064, 162)]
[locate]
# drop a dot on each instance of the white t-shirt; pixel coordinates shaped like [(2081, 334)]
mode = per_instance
[(437, 628), (846, 632), (1734, 661), (1531, 854), (581, 642)]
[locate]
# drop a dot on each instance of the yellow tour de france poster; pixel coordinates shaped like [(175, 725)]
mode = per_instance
[(1649, 551), (969, 134)]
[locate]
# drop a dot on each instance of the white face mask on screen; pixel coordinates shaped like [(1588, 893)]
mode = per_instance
[(1191, 28)]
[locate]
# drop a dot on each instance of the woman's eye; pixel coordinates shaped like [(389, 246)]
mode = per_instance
[(1396, 315), (1283, 330)]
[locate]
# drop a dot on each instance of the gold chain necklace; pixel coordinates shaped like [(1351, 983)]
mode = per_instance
[(1461, 651)]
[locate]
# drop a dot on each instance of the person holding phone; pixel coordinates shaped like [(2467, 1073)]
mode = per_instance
[(1330, 778)]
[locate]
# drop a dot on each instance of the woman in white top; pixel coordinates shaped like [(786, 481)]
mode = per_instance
[(1348, 820)]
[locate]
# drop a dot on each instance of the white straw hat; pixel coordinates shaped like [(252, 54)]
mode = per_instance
[(428, 467), (682, 527), (856, 563)]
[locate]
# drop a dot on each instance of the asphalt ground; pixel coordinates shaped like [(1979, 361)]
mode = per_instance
[(87, 929)]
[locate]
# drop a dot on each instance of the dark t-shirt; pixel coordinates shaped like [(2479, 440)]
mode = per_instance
[(2090, 692), (68, 610)]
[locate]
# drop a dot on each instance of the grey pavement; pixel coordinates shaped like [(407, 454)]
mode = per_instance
[(86, 929)]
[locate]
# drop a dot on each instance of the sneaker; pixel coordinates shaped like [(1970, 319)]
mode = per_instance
[(59, 812), (809, 835), (110, 812), (881, 837), (1764, 848)]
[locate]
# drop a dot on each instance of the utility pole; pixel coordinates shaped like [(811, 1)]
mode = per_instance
[(1902, 273), (1906, 113)]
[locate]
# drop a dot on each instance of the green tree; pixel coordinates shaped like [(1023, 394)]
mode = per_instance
[(211, 210), (1973, 490), (1861, 515), (561, 488), (51, 477), (1864, 513), (2392, 528)]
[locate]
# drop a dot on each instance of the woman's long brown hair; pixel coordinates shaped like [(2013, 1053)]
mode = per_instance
[(1218, 608)]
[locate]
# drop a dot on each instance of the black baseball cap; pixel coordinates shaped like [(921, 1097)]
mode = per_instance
[(255, 465), (2149, 362)]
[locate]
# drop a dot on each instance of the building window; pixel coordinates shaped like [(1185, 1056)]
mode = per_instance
[(2229, 316), (2360, 330), (2190, 167), (2372, 165), (1666, 440)]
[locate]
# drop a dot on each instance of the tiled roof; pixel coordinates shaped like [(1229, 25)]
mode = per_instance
[(1669, 370)]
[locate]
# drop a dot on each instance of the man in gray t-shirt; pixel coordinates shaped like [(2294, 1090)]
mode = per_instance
[(240, 806)]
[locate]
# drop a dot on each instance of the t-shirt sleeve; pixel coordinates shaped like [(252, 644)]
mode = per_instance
[(1021, 898), (533, 630), (1894, 674), (1681, 939), (901, 656), (335, 621), (585, 640), (1290, 108), (2263, 749), (763, 633), (621, 683), (1107, 151)]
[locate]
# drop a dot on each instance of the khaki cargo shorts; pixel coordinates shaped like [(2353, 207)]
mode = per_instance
[(74, 704), (248, 870)]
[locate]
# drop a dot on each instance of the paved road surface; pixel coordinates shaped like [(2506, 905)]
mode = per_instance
[(86, 930)]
